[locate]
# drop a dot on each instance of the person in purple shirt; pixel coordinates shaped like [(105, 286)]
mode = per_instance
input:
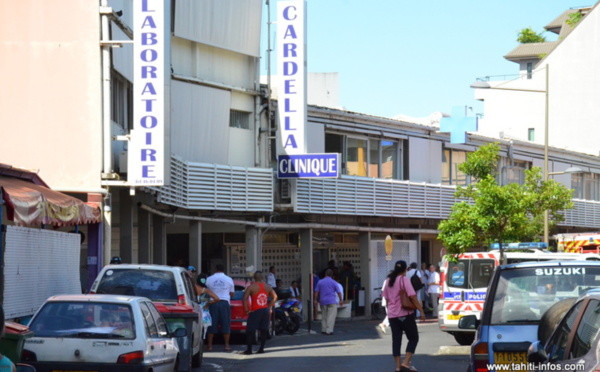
[(328, 295)]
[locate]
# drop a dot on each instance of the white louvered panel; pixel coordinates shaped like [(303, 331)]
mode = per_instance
[(38, 264), (218, 187)]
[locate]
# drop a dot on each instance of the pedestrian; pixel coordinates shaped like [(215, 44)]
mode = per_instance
[(402, 320), (220, 312), (386, 322), (5, 363), (328, 295), (434, 289), (425, 294), (347, 278), (206, 297), (412, 270), (271, 280), (258, 310)]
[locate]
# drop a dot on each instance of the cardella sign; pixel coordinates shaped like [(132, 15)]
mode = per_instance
[(291, 67), (146, 147)]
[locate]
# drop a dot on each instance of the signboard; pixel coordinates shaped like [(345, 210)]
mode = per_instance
[(308, 166), (291, 67), (146, 153)]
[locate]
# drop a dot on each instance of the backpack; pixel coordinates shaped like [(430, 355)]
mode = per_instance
[(416, 282)]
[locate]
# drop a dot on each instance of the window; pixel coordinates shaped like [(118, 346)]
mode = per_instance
[(531, 134), (239, 119), (121, 101), (150, 324), (557, 344), (529, 70), (515, 173), (451, 175), (366, 157), (586, 186), (587, 331)]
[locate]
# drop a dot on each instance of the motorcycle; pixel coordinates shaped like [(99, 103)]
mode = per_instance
[(287, 316)]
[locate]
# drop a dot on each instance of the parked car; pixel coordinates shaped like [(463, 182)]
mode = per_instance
[(239, 318), (575, 343), (171, 288), (100, 333), (518, 297)]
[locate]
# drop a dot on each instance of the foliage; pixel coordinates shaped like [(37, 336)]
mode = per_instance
[(527, 35), (488, 212), (574, 19)]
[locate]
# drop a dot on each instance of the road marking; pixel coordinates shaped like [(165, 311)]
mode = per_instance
[(217, 367)]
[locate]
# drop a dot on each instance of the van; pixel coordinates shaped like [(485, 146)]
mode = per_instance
[(465, 280), (517, 298)]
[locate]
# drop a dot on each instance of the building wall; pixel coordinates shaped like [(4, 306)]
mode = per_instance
[(50, 117), (574, 79)]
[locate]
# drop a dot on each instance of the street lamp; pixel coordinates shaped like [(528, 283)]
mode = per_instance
[(485, 85)]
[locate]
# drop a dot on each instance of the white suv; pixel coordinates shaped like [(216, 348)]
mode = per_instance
[(171, 286)]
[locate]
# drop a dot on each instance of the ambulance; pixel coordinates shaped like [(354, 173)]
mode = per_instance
[(579, 243), (464, 281)]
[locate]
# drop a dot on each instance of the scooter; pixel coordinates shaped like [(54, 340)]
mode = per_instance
[(287, 316)]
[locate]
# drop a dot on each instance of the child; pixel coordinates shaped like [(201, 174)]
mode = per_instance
[(5, 363)]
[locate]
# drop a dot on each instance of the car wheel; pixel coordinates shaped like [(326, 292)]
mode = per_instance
[(464, 338), (552, 317)]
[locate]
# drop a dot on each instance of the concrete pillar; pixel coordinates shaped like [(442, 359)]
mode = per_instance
[(195, 243), (126, 226), (253, 248), (364, 240), (144, 249), (306, 270), (94, 244), (159, 248)]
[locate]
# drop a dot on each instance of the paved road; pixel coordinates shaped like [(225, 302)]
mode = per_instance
[(356, 346)]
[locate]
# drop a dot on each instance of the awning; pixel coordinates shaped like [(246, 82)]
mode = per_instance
[(31, 204)]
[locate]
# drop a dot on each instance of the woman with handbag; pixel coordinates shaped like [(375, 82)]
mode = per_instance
[(401, 304)]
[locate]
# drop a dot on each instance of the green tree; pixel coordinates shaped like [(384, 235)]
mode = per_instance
[(487, 212), (574, 18), (527, 35)]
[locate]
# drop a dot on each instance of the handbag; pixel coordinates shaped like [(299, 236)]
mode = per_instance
[(405, 300)]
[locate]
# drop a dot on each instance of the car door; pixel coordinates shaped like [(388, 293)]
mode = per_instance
[(583, 326), (190, 289), (165, 341), (155, 344)]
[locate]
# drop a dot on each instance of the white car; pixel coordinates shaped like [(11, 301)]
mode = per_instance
[(101, 333), (172, 289)]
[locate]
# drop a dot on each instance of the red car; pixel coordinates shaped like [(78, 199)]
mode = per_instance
[(239, 318)]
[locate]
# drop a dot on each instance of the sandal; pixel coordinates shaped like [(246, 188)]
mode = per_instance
[(408, 369)]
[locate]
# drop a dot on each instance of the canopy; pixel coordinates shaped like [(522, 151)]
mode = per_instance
[(31, 204)]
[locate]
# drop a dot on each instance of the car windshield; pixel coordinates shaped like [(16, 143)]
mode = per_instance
[(84, 320), (524, 294), (157, 285), (239, 293)]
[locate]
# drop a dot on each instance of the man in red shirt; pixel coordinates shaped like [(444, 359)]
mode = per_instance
[(258, 310)]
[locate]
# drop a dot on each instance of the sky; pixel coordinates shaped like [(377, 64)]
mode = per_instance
[(416, 57)]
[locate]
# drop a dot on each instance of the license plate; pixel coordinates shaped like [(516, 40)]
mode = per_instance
[(519, 358), (453, 317)]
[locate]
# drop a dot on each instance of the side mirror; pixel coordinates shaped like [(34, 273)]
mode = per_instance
[(24, 367), (179, 332), (468, 322), (536, 353)]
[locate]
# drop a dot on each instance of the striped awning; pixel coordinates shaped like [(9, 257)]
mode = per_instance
[(30, 204)]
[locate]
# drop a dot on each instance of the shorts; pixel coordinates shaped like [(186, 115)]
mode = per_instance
[(220, 312), (258, 319)]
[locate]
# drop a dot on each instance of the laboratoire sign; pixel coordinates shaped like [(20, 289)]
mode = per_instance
[(146, 153), (292, 159)]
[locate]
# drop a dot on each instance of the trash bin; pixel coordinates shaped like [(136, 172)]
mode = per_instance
[(13, 341), (181, 316)]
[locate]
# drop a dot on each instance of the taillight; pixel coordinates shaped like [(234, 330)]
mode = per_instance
[(481, 357), (28, 356), (181, 300), (137, 357)]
